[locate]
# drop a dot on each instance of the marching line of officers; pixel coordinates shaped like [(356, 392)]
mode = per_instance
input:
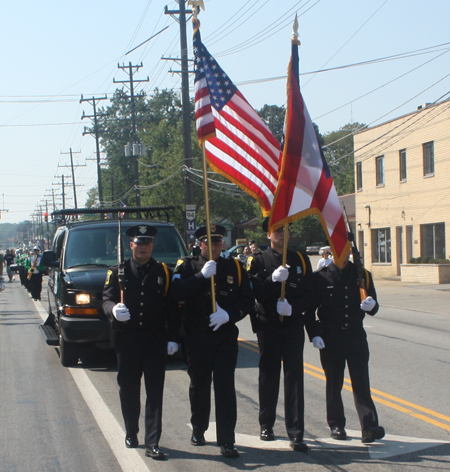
[(149, 305)]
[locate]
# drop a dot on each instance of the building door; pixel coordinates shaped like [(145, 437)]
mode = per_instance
[(399, 248), (409, 243)]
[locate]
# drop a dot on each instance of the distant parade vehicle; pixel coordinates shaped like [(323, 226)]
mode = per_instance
[(81, 253)]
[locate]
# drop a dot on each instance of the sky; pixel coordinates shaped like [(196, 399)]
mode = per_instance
[(360, 61)]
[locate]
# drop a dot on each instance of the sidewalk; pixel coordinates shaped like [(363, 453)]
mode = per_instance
[(417, 297)]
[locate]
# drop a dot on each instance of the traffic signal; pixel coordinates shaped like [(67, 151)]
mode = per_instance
[(46, 217)]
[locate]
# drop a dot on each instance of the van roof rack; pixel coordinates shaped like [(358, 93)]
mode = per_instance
[(147, 212)]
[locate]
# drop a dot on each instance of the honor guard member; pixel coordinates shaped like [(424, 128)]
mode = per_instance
[(35, 273), (211, 338), (343, 339), (148, 330), (279, 326)]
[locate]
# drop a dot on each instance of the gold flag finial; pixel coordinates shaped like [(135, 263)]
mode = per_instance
[(295, 35), (196, 5)]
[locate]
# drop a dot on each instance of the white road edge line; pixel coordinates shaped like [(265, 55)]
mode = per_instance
[(128, 459)]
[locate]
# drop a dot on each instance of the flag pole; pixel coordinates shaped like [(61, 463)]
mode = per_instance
[(294, 40), (208, 225), (284, 261)]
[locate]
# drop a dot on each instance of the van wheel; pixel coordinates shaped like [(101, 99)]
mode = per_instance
[(68, 353)]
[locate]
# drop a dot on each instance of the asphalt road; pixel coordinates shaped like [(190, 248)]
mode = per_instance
[(58, 419)]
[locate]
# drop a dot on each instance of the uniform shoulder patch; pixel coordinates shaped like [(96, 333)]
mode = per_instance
[(108, 277), (248, 264), (179, 263)]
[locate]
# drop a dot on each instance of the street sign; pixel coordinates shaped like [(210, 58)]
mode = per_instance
[(191, 235), (191, 226), (190, 212), (190, 215)]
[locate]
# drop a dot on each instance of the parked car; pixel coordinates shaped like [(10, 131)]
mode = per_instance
[(81, 254), (314, 248)]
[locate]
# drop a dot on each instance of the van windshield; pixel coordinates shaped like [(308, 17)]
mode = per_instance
[(98, 246)]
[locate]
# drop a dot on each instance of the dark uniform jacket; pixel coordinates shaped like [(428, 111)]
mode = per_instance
[(337, 298), (148, 299), (267, 293), (193, 291)]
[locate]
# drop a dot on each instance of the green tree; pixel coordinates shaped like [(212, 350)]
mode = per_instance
[(338, 151), (273, 116), (162, 171), (309, 230)]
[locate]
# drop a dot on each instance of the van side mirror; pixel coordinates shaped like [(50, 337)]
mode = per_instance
[(49, 259)]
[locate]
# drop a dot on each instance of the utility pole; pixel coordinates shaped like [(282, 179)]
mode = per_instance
[(191, 223), (93, 101), (63, 191), (181, 19), (73, 173), (136, 146), (53, 197), (112, 187), (4, 210)]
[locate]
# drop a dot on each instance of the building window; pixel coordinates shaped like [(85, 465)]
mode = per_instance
[(381, 245), (402, 165), (432, 239), (428, 158), (359, 176), (380, 171)]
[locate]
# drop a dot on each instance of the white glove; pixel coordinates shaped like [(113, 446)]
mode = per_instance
[(318, 342), (172, 348), (120, 312), (280, 274), (218, 318), (284, 308), (368, 304), (209, 269)]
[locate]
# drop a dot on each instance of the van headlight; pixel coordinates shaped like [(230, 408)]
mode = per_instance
[(82, 299)]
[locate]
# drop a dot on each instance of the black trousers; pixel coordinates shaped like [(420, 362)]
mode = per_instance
[(36, 286), (22, 274), (279, 344), (212, 357), (347, 346), (142, 352)]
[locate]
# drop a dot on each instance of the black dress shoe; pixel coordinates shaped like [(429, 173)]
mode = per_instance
[(371, 434), (338, 433), (228, 450), (298, 445), (131, 441), (155, 453), (198, 438), (267, 435)]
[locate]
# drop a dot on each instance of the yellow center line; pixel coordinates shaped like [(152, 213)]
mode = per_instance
[(319, 373)]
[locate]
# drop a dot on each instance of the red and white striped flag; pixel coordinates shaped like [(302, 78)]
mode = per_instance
[(305, 185), (238, 143)]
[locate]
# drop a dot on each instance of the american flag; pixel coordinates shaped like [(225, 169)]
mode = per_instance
[(238, 143), (305, 184)]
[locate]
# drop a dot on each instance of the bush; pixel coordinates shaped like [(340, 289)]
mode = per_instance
[(428, 260)]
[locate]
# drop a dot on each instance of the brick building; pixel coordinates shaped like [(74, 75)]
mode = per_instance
[(402, 186)]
